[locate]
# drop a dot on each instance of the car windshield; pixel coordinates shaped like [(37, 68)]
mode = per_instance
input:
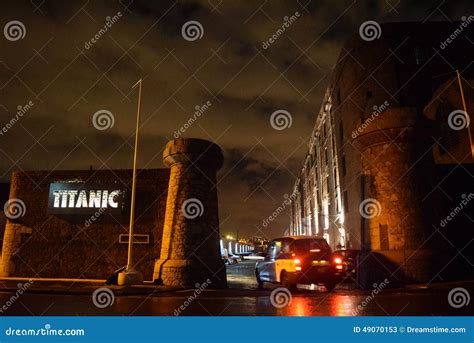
[(310, 245)]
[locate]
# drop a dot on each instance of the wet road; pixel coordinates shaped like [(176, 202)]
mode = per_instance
[(243, 299)]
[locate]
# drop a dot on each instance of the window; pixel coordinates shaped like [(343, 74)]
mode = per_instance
[(343, 164), (279, 249), (345, 201), (305, 246), (273, 250), (419, 55), (327, 107), (341, 132)]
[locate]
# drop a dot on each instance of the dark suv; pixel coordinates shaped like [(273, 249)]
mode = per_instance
[(299, 260)]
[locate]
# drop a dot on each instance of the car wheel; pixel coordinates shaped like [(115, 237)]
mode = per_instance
[(259, 281), (285, 281), (330, 286)]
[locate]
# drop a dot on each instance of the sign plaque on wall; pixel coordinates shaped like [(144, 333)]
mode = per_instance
[(84, 198)]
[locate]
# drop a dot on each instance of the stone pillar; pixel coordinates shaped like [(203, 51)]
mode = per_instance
[(190, 251), (15, 228), (396, 168)]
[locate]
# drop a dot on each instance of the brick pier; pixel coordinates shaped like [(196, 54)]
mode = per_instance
[(190, 245)]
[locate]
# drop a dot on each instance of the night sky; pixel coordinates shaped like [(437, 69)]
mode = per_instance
[(53, 64)]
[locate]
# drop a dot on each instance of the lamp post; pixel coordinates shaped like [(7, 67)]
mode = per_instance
[(130, 276)]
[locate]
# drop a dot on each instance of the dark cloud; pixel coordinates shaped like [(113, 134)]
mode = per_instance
[(228, 67)]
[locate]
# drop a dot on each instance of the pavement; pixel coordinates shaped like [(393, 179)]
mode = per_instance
[(78, 297), (240, 278)]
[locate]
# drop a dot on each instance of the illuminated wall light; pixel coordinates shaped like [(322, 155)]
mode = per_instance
[(342, 237), (326, 237), (308, 226), (341, 217), (326, 214), (316, 214)]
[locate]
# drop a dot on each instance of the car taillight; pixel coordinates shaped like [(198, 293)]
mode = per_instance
[(339, 266), (297, 261), (315, 250), (338, 260)]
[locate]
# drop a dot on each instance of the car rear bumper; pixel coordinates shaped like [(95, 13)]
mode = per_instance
[(317, 275)]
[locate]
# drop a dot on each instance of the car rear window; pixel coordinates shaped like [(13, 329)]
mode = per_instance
[(310, 245)]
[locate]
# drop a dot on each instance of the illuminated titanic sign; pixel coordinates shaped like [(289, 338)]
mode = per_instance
[(81, 198)]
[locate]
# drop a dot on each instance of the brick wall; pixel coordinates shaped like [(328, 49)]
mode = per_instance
[(40, 244)]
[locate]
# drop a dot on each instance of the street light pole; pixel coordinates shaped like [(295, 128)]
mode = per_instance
[(131, 276), (134, 180)]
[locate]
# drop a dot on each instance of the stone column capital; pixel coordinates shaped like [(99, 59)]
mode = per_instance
[(193, 151), (394, 124)]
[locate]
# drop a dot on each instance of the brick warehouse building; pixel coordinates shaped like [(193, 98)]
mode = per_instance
[(385, 167), (74, 224)]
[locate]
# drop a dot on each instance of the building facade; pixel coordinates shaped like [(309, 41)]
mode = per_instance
[(386, 160), (317, 209)]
